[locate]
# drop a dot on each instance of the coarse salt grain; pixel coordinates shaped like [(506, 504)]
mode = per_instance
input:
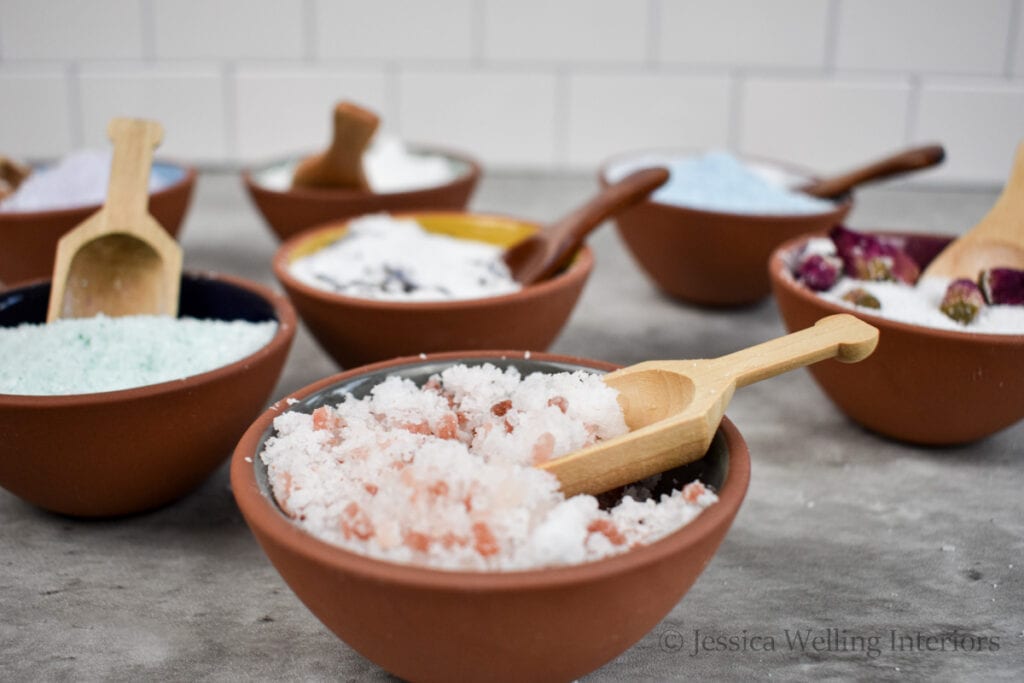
[(393, 259), (89, 355), (718, 181), (443, 475), (914, 305), (78, 179)]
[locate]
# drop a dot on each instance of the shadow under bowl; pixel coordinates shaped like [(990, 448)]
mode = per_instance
[(921, 385), (29, 238), (712, 258), (424, 624), (355, 331), (289, 211), (122, 452)]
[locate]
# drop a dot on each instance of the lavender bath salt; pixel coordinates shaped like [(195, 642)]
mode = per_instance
[(88, 355), (392, 259), (718, 181), (79, 179), (443, 475)]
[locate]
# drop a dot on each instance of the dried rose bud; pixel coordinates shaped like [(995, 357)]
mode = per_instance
[(867, 257), (962, 301), (863, 298), (819, 271), (1002, 285)]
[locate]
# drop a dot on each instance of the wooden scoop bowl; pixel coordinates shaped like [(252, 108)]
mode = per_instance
[(119, 261), (997, 241), (548, 251), (913, 159), (341, 165), (673, 408)]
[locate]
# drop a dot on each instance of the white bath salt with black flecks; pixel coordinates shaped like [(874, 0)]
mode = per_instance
[(389, 165), (443, 475), (78, 179), (392, 259), (917, 304), (89, 355)]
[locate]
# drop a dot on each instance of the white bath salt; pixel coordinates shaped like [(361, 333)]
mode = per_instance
[(381, 257), (89, 355), (78, 179), (719, 181), (389, 165), (443, 475), (917, 304)]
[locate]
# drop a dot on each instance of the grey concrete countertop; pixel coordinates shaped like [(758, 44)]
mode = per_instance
[(842, 532)]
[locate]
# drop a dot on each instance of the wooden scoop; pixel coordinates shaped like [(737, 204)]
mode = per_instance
[(673, 408), (913, 159), (119, 261), (544, 253), (341, 166), (995, 242), (12, 175)]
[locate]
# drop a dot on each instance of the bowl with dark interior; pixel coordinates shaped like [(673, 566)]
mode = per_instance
[(289, 210), (120, 452), (30, 238), (356, 330), (550, 624), (923, 384), (711, 257)]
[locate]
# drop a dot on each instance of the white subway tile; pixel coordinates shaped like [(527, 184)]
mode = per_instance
[(609, 114), (504, 118), (283, 111), (187, 100), (780, 33), (824, 125), (35, 121), (394, 29), (71, 29), (228, 29), (980, 124), (944, 36), (580, 31)]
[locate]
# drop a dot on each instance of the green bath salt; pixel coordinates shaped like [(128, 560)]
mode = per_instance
[(89, 355)]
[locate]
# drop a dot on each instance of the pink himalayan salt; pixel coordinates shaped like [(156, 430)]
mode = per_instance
[(443, 475)]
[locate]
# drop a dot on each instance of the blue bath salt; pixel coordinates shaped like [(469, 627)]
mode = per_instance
[(89, 355), (718, 181)]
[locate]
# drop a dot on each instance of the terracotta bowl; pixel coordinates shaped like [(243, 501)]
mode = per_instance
[(434, 625), (29, 238), (121, 452), (922, 385), (288, 211), (355, 331), (711, 258)]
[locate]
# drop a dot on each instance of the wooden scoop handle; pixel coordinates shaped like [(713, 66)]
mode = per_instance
[(842, 336), (341, 165), (128, 191), (913, 159)]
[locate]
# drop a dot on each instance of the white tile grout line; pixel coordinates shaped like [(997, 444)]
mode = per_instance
[(74, 92), (309, 38), (832, 14), (148, 31), (1014, 38), (230, 95), (653, 34)]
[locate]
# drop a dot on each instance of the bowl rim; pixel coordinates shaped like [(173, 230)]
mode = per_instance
[(779, 273), (286, 326), (473, 173), (839, 207), (579, 268), (261, 513), (186, 180)]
